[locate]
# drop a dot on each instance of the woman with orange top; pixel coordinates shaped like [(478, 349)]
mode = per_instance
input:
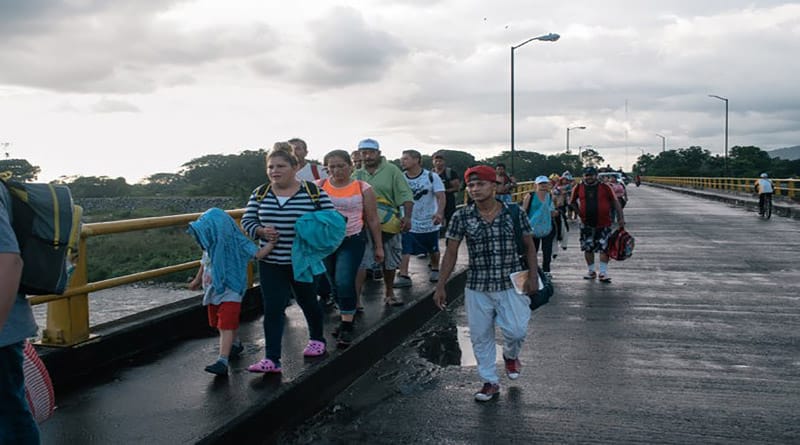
[(358, 203)]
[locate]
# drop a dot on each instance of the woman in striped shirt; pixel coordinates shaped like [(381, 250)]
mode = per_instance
[(271, 213)]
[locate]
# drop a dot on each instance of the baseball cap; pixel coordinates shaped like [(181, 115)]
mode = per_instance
[(763, 175), (438, 154), (368, 144), (541, 180), (483, 173), (589, 171)]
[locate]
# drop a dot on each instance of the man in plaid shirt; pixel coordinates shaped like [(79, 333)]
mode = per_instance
[(489, 296)]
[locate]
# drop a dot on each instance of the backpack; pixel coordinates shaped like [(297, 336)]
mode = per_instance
[(47, 225), (311, 189), (541, 220), (620, 245), (544, 294)]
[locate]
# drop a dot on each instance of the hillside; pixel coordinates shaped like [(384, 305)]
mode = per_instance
[(787, 153)]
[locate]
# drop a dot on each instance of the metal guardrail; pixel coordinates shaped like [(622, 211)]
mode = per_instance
[(68, 314), (789, 188)]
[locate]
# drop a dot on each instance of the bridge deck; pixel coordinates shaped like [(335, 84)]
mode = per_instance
[(705, 314)]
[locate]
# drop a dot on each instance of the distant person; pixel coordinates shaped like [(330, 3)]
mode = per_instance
[(307, 171), (489, 296), (561, 193), (17, 425), (393, 192), (355, 200), (619, 192), (452, 185), (764, 187), (274, 212), (355, 156), (223, 278), (428, 215), (539, 207), (594, 200), (505, 183)]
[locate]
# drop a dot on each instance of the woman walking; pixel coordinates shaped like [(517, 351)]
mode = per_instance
[(358, 203), (271, 213), (540, 209)]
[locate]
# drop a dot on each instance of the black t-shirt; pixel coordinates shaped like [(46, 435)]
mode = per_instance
[(447, 175)]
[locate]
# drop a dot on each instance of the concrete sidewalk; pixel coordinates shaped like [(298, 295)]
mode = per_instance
[(164, 396), (780, 206)]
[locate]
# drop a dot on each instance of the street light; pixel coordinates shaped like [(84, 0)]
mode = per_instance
[(725, 164), (663, 142), (545, 38), (568, 130)]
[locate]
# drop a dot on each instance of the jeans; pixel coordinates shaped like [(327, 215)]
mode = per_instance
[(547, 249), (512, 313), (16, 421), (342, 266), (277, 286)]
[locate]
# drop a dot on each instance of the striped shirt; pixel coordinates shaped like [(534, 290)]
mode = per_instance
[(269, 212)]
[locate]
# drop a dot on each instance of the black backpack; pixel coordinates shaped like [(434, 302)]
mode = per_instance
[(47, 225), (543, 296)]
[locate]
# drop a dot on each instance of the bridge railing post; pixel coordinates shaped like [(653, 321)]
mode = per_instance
[(68, 318)]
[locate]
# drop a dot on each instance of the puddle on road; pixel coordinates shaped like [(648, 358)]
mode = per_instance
[(449, 346)]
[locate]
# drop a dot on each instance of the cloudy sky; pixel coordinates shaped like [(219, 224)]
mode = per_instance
[(135, 87)]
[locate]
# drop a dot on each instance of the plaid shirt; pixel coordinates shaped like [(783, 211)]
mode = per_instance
[(491, 246)]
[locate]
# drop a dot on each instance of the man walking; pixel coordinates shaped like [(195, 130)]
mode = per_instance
[(489, 295), (428, 214), (505, 183), (452, 184), (390, 187), (17, 425), (594, 200), (308, 171)]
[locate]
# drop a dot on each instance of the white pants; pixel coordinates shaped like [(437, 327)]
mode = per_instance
[(512, 313)]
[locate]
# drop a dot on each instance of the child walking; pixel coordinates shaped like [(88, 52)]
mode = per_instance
[(223, 277)]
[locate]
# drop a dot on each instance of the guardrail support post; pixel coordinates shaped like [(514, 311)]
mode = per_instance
[(68, 319)]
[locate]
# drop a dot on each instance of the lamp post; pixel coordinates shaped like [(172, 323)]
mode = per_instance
[(551, 37), (663, 142), (570, 129), (725, 160)]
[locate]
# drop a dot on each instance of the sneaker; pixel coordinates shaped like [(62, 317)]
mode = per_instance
[(345, 338), (236, 350), (513, 367), (402, 281), (217, 368), (590, 276), (315, 348), (488, 392), (434, 276), (265, 366)]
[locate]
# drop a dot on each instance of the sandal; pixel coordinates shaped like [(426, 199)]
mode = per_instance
[(604, 278), (315, 348), (590, 276), (393, 301), (265, 366)]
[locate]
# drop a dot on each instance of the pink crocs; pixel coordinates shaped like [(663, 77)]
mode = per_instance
[(265, 366), (315, 348)]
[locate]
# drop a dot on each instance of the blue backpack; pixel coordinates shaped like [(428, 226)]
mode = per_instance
[(541, 220)]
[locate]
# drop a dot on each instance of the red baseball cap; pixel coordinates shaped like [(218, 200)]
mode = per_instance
[(483, 173)]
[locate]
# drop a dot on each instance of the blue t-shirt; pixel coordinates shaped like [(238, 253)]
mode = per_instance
[(20, 323)]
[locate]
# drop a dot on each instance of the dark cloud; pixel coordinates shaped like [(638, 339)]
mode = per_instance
[(103, 47), (347, 50)]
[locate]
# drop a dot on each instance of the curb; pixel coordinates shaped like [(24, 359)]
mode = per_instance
[(295, 401)]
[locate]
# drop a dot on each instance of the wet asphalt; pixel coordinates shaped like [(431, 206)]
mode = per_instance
[(696, 340)]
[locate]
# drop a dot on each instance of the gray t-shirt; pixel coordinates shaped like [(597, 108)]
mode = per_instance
[(20, 323)]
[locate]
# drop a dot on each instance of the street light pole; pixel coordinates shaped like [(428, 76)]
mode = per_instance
[(663, 142), (551, 37), (568, 130), (725, 164)]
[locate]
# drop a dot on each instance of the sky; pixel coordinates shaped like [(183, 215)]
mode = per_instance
[(136, 87)]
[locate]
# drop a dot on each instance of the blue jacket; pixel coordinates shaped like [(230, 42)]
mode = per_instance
[(317, 235), (227, 247)]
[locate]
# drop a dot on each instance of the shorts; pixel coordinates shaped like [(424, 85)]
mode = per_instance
[(392, 253), (594, 239), (224, 315), (417, 243)]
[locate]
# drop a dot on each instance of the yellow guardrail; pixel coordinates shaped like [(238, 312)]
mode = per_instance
[(68, 314), (789, 188)]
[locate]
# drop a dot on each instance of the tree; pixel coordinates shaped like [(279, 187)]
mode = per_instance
[(99, 187), (748, 161), (21, 170), (591, 158)]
